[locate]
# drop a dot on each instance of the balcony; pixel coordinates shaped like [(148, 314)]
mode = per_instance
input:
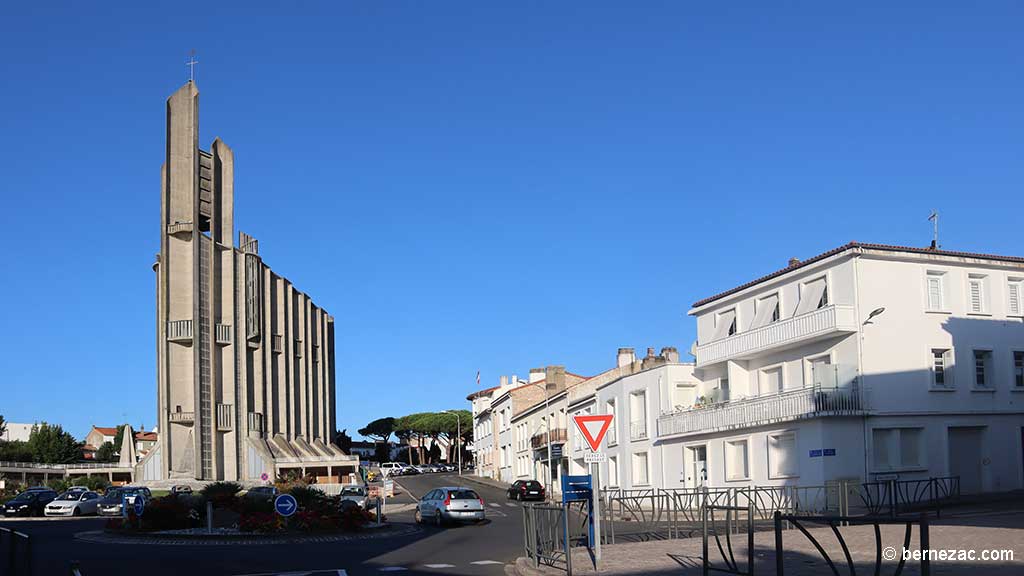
[(256, 423), (225, 417), (638, 430), (558, 436), (821, 323), (179, 331), (797, 404), (182, 417), (224, 335)]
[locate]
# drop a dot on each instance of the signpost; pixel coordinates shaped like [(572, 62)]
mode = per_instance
[(285, 505), (593, 427), (139, 505)]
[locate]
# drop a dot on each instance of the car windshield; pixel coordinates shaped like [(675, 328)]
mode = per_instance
[(462, 495), (353, 491), (25, 497), (113, 495), (72, 496)]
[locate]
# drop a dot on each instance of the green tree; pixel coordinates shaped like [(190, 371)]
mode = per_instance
[(343, 440), (52, 445), (15, 451), (106, 453), (380, 429)]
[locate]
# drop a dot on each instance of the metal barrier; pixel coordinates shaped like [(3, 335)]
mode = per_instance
[(895, 497), (834, 522), (709, 527), (17, 563), (550, 531)]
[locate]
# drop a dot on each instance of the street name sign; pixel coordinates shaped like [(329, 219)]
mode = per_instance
[(593, 427), (285, 505)]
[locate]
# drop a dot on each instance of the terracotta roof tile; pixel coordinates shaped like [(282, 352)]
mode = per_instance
[(851, 246), (106, 431)]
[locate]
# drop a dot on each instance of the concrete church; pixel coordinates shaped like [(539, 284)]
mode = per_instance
[(245, 361)]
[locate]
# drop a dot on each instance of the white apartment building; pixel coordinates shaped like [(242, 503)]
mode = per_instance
[(865, 362)]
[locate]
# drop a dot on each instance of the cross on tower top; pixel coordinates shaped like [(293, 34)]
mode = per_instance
[(191, 63)]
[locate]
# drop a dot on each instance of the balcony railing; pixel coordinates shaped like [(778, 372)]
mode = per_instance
[(822, 322), (760, 410), (225, 417), (182, 417), (256, 422), (224, 334), (638, 430), (179, 331), (558, 436)]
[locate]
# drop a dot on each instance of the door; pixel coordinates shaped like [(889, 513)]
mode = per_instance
[(697, 475), (966, 457)]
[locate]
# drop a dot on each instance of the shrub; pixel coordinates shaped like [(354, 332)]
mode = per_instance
[(354, 518), (308, 498), (221, 493), (167, 513), (57, 485), (94, 483), (264, 522)]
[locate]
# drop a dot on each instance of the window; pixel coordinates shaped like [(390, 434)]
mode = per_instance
[(767, 311), (771, 380), (725, 325), (613, 470), (897, 448), (1015, 297), (640, 476), (813, 295), (683, 396), (982, 368), (935, 289), (976, 294), (782, 455), (1018, 369), (638, 415), (942, 368), (823, 373), (611, 435), (736, 460)]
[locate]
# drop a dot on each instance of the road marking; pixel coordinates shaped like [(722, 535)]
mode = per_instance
[(511, 505), (495, 504), (439, 565), (484, 562), (342, 573), (393, 569)]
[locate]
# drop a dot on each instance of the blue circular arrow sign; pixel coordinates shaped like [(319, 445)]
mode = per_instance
[(285, 505), (139, 504)]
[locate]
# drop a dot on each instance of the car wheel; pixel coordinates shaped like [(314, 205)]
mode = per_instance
[(77, 512), (438, 521), (418, 516)]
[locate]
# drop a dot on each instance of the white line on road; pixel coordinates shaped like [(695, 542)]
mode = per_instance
[(495, 504), (511, 505), (439, 565), (342, 573), (484, 562)]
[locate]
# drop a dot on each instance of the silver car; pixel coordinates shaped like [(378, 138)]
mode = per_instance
[(358, 495), (73, 503), (450, 504)]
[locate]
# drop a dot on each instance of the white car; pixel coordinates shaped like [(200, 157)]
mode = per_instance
[(73, 503), (390, 468)]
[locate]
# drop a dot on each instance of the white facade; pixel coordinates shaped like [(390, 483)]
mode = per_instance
[(14, 431), (800, 387)]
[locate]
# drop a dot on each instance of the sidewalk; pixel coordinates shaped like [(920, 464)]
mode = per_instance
[(683, 556), (486, 481)]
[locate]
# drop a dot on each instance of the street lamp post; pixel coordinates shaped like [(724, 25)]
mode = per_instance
[(458, 438)]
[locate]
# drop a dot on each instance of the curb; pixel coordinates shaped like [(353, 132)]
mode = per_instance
[(103, 537), (523, 567), (487, 482)]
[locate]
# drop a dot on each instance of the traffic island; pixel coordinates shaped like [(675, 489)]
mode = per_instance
[(235, 537)]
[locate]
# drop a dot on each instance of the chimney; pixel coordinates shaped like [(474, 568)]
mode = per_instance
[(650, 352), (503, 382), (793, 261), (554, 377), (625, 357), (536, 375), (670, 354)]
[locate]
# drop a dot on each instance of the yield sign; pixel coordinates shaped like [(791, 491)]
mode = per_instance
[(593, 428)]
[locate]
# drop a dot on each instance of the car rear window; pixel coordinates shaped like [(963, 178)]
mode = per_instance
[(533, 485), (462, 495)]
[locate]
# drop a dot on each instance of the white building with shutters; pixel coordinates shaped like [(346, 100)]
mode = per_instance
[(866, 362)]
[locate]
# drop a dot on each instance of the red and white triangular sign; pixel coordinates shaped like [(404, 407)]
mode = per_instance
[(593, 428)]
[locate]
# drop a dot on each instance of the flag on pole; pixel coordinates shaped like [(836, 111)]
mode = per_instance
[(477, 377)]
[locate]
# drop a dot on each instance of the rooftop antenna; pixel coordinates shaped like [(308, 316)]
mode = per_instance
[(934, 218), (191, 63)]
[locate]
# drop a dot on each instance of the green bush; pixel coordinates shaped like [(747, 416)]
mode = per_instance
[(58, 485), (94, 483), (221, 493), (308, 497), (167, 513)]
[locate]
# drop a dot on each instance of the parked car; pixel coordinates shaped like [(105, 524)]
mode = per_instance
[(449, 467), (358, 495), (31, 502), (111, 503), (526, 490), (262, 493), (423, 468), (181, 490), (391, 468), (450, 504), (73, 503)]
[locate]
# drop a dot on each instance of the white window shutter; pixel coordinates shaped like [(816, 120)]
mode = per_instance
[(810, 296), (976, 298), (934, 292), (1015, 298), (723, 323), (765, 308)]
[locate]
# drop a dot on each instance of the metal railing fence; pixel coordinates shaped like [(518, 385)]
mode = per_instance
[(550, 531)]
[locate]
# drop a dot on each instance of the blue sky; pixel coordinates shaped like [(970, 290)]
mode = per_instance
[(481, 186)]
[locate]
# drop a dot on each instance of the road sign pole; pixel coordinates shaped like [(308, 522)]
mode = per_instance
[(595, 512)]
